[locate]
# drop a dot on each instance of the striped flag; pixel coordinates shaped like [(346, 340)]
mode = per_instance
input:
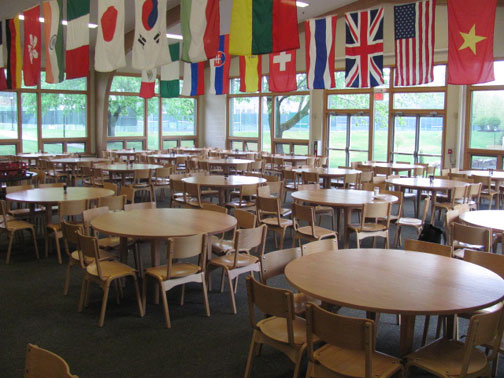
[(414, 43), (219, 68), (148, 83), (170, 74), (194, 79), (250, 73), (200, 22), (13, 54), (32, 47), (263, 26), (53, 40), (77, 40), (109, 51), (364, 49), (320, 35)]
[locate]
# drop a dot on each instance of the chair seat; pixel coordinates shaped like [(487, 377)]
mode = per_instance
[(13, 225), (319, 232), (368, 227), (445, 356), (178, 270), (351, 363), (274, 222), (104, 255), (111, 269), (221, 246), (109, 242), (244, 259), (409, 222), (276, 329)]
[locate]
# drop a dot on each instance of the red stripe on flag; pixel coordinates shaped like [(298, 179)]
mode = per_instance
[(332, 51), (77, 62), (201, 79), (285, 25), (147, 89), (212, 31), (307, 49)]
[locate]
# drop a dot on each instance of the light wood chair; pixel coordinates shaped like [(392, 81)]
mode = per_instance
[(20, 211), (320, 210), (349, 349), (192, 196), (269, 213), (142, 182), (451, 216), (323, 245), (214, 207), (238, 262), (282, 329), (244, 219), (464, 236), (416, 223), (473, 195), (11, 226), (179, 272), (108, 242), (487, 191), (428, 247), (290, 180), (161, 180), (311, 232), (177, 190), (114, 203), (41, 363), (110, 186), (456, 194), (310, 178), (267, 191), (373, 210), (245, 195), (103, 273)]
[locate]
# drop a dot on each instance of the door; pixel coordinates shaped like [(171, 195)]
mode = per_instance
[(348, 139)]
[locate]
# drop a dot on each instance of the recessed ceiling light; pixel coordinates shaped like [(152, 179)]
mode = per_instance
[(174, 36), (92, 26), (301, 4)]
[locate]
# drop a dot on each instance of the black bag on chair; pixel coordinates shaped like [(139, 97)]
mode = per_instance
[(431, 233)]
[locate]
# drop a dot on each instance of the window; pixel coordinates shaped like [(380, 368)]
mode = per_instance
[(179, 116), (8, 115), (64, 115)]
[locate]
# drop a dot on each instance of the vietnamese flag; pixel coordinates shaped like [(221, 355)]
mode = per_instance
[(32, 47), (470, 41)]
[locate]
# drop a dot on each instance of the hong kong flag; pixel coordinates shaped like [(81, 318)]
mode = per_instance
[(282, 67), (32, 47)]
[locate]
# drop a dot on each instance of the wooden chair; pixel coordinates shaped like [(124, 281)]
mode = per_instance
[(110, 186), (142, 182), (416, 223), (457, 193), (12, 226), (192, 195), (349, 347), (103, 273), (464, 236), (487, 191), (178, 272), (428, 247), (244, 201), (239, 262), (290, 180), (451, 216), (41, 363), (320, 210), (310, 178), (268, 213), (323, 245), (282, 329), (311, 232), (20, 212), (214, 207), (177, 190), (375, 210), (114, 203), (473, 195), (108, 242), (274, 190), (161, 180), (244, 219)]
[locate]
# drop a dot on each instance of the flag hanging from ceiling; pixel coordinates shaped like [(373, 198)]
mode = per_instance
[(77, 39), (13, 53), (219, 68), (2, 55), (200, 22), (170, 74), (148, 83), (32, 47), (364, 48), (150, 45), (194, 79), (282, 71), (3, 80), (263, 26), (53, 39), (320, 37), (470, 41), (250, 73), (109, 51), (414, 43)]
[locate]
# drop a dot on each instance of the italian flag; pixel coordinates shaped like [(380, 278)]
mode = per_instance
[(263, 26), (77, 43), (170, 74), (53, 38)]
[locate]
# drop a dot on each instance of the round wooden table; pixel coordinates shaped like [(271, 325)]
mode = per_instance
[(396, 282), (491, 219), (347, 199), (394, 167), (293, 159), (170, 157), (328, 173), (36, 156), (160, 224), (225, 164), (72, 163), (123, 169)]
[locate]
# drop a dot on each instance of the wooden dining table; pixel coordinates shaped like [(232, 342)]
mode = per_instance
[(72, 163), (394, 167), (396, 282), (328, 173), (348, 199), (489, 219), (226, 164), (124, 169)]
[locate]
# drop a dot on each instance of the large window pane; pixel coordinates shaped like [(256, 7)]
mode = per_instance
[(359, 134), (244, 113), (337, 131), (153, 124), (29, 122), (8, 115), (53, 148), (76, 147), (236, 145), (300, 149), (336, 158), (483, 162), (79, 84), (431, 137), (292, 117), (404, 134), (487, 120), (64, 115), (419, 100), (169, 144), (381, 115), (125, 116), (187, 143), (179, 116), (136, 144), (349, 101), (266, 129), (114, 145), (7, 149)]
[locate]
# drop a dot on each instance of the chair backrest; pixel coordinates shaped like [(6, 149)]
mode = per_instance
[(399, 203), (214, 207), (110, 186), (114, 203), (308, 186), (425, 209), (271, 178), (271, 301), (471, 235), (317, 246), (139, 205), (341, 331), (270, 205), (192, 191), (305, 214), (350, 179), (376, 210), (129, 192), (41, 363), (366, 176), (88, 247), (450, 217), (310, 177), (248, 190), (263, 191), (71, 208), (458, 193), (428, 247), (164, 172), (70, 231), (274, 263), (488, 260), (276, 188), (90, 214), (245, 219), (486, 181), (184, 248), (247, 239)]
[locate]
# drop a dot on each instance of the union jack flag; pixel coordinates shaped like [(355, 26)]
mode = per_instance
[(364, 48)]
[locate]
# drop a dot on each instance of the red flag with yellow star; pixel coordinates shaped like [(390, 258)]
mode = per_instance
[(470, 41)]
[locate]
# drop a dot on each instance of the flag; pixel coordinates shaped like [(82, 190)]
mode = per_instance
[(320, 35), (150, 45), (219, 68), (32, 47), (250, 73), (364, 48), (170, 74), (263, 26), (53, 39), (200, 22), (77, 40), (414, 43), (3, 81), (148, 83), (470, 41), (109, 51), (2, 55), (13, 54), (194, 79), (282, 71)]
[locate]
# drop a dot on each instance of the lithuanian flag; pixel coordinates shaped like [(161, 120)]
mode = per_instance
[(263, 26)]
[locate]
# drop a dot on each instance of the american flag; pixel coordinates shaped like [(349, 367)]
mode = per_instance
[(414, 43), (364, 48)]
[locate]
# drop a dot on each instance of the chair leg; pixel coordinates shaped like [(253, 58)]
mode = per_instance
[(35, 242), (231, 292), (182, 293), (397, 236), (387, 241), (165, 307), (426, 329), (205, 297), (250, 356), (138, 298), (67, 277), (144, 294), (282, 237), (82, 294), (106, 289), (58, 249), (297, 362), (9, 248)]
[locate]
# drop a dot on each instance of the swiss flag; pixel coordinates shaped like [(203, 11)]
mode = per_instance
[(282, 69)]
